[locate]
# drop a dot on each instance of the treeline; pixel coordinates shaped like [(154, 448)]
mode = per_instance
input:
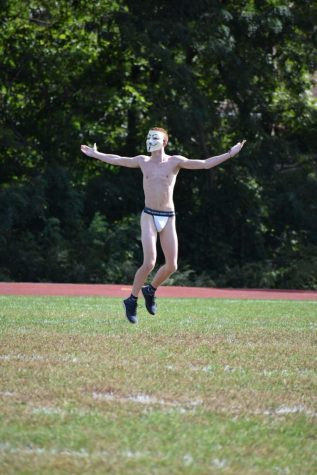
[(212, 73)]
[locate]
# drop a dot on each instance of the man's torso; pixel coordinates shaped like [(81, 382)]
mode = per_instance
[(159, 181)]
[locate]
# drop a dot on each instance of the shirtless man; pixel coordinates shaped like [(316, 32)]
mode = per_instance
[(158, 217)]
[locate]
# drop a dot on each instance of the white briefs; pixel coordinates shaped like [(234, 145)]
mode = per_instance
[(160, 218)]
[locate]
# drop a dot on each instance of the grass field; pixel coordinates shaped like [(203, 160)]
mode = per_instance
[(206, 387)]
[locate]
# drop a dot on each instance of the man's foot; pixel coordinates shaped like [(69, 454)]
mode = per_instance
[(149, 295), (130, 306)]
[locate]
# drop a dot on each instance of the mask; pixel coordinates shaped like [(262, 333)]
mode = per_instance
[(154, 140)]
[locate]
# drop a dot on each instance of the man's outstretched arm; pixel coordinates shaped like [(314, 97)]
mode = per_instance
[(212, 161), (132, 162)]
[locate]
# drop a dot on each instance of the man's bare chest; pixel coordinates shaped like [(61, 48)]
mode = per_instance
[(159, 171)]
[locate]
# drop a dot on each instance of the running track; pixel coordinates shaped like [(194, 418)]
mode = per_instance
[(105, 290)]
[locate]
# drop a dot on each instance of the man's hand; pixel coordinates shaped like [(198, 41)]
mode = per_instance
[(90, 151), (236, 148)]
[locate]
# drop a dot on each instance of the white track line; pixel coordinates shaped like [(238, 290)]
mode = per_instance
[(37, 357), (66, 452), (144, 399)]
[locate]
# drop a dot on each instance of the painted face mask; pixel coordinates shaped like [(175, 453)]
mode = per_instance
[(154, 140)]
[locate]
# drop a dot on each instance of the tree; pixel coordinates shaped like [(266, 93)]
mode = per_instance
[(211, 72)]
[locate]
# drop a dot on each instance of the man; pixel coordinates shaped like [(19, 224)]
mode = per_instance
[(158, 217)]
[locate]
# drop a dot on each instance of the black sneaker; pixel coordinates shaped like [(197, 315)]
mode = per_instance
[(130, 306), (149, 296)]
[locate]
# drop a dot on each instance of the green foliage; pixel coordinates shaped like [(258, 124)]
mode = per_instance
[(212, 73)]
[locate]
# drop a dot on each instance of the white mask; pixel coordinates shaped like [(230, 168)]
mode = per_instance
[(155, 140)]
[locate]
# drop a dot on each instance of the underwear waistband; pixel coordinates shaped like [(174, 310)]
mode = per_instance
[(154, 212)]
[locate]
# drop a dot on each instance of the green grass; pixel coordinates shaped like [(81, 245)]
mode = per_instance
[(206, 387)]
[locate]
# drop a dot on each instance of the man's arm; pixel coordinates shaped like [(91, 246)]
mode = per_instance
[(210, 162), (132, 162)]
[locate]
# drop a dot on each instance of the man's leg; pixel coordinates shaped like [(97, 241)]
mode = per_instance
[(169, 244), (149, 238)]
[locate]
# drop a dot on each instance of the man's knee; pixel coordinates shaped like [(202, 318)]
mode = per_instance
[(171, 267), (149, 265)]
